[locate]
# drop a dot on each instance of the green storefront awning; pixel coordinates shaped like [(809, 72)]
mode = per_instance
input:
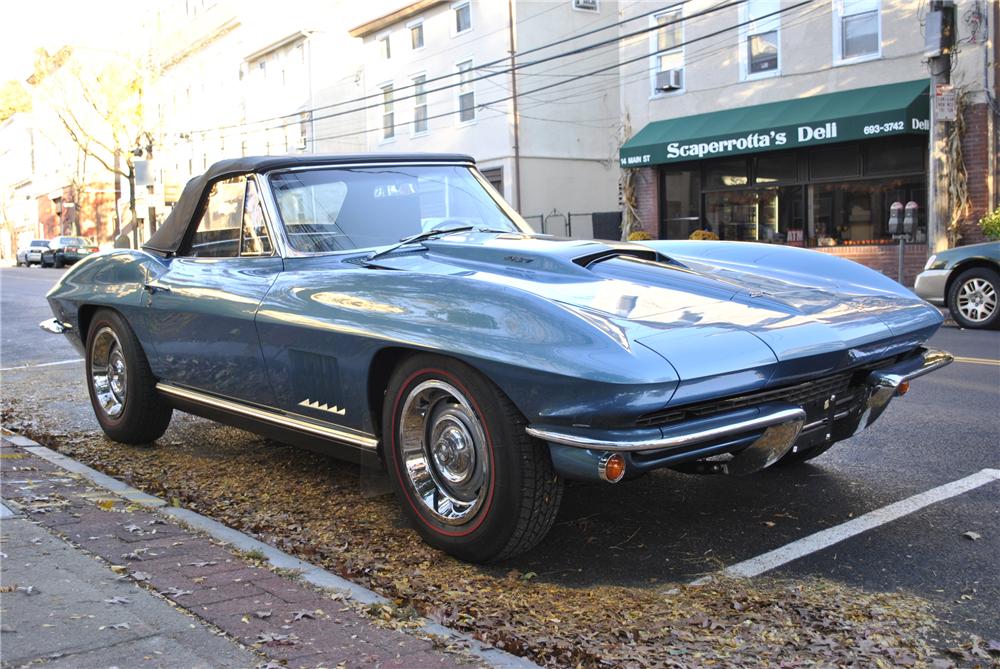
[(862, 113)]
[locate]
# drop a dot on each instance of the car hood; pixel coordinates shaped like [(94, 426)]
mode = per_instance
[(722, 323)]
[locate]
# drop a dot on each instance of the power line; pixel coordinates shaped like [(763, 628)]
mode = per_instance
[(517, 67), (587, 74), (299, 114), (689, 60)]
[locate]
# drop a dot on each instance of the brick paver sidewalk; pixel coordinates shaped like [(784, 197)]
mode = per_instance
[(283, 620)]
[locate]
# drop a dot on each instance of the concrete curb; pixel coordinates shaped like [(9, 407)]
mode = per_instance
[(310, 573)]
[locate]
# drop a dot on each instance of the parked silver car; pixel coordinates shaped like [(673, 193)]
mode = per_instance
[(965, 279), (32, 253)]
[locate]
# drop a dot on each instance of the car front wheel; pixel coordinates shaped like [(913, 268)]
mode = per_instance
[(973, 298), (121, 384), (472, 481)]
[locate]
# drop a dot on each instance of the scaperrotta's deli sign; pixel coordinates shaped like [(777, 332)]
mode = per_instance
[(638, 152)]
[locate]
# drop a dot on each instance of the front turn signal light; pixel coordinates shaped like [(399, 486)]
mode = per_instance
[(612, 467), (903, 388)]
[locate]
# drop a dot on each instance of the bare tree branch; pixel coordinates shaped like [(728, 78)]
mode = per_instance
[(85, 146), (90, 137)]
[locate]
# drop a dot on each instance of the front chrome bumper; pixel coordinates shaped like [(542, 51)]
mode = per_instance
[(55, 326), (757, 437), (886, 383)]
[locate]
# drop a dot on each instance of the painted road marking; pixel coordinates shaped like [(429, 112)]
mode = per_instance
[(978, 361), (42, 364), (834, 535)]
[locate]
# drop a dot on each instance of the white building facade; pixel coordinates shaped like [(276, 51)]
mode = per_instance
[(439, 77)]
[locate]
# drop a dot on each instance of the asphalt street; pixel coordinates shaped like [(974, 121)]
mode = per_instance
[(670, 527)]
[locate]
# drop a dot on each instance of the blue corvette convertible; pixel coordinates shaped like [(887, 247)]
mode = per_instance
[(394, 309)]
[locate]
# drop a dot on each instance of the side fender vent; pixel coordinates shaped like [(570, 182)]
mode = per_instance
[(316, 378)]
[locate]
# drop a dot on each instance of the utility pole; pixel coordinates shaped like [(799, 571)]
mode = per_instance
[(939, 40), (131, 203), (513, 92), (152, 187)]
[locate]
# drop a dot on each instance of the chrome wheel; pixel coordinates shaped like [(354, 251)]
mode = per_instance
[(442, 446), (977, 300), (108, 371)]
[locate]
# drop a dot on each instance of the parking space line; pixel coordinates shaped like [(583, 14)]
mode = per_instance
[(828, 537), (42, 364), (977, 361)]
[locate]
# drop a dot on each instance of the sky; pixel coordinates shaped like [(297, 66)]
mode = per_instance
[(26, 25)]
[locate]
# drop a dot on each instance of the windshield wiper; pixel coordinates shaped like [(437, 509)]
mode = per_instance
[(416, 238)]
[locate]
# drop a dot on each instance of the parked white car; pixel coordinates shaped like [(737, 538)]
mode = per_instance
[(32, 253)]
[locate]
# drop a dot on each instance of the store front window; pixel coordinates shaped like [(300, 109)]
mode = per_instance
[(833, 195), (857, 212), (758, 215)]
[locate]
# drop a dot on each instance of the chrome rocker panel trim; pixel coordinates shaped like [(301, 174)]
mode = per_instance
[(275, 418), (778, 416)]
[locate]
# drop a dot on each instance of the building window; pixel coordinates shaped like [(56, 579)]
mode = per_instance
[(857, 29), (419, 104), (466, 94), (463, 16), (495, 177), (587, 5), (761, 42), (384, 47), (416, 35), (388, 117), (668, 50)]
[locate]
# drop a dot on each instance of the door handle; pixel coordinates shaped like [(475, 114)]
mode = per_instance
[(155, 287)]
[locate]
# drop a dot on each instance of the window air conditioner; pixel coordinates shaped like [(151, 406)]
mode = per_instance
[(669, 80)]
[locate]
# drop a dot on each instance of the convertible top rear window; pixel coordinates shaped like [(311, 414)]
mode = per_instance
[(338, 209)]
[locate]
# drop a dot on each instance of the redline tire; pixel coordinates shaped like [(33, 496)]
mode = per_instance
[(481, 490), (136, 414)]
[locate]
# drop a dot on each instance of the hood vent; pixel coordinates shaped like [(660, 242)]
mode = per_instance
[(605, 254)]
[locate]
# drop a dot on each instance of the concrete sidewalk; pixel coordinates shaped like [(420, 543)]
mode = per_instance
[(67, 609), (91, 579)]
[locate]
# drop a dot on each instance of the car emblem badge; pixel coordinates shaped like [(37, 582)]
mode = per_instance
[(309, 404)]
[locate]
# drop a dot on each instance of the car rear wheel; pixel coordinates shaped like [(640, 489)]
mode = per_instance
[(59, 262), (121, 385), (467, 474), (973, 298)]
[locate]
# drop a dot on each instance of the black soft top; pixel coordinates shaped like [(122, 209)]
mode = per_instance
[(170, 235)]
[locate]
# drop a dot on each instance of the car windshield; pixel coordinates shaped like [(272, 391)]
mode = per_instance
[(76, 241), (40, 242), (338, 209)]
